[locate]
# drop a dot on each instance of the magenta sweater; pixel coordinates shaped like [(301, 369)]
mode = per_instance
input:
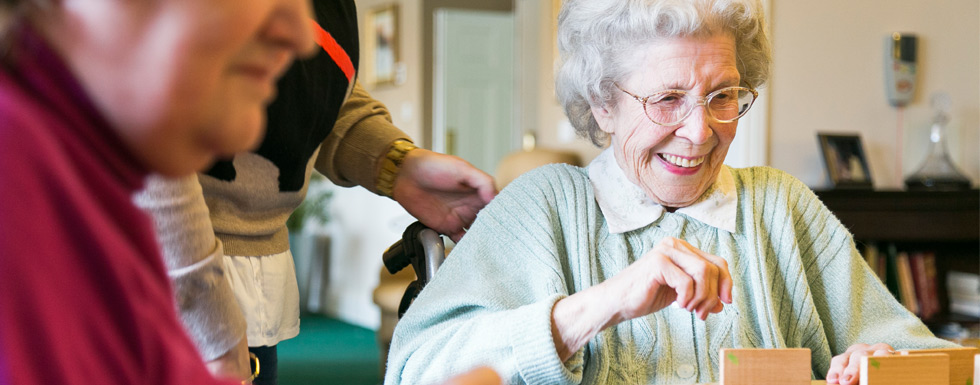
[(84, 296)]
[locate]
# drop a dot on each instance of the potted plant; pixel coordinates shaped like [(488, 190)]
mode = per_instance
[(310, 243)]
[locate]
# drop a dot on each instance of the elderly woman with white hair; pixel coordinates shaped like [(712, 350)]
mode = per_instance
[(568, 276)]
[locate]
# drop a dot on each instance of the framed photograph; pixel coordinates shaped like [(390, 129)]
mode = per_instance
[(383, 40), (845, 160)]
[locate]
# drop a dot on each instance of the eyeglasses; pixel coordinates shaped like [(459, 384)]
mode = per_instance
[(671, 107)]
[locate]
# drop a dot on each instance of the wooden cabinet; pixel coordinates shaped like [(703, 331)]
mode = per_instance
[(944, 222)]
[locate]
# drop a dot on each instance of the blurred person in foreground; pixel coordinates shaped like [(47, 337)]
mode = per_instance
[(94, 96), (641, 266), (223, 231)]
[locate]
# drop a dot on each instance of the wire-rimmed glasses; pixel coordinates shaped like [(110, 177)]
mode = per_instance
[(671, 107)]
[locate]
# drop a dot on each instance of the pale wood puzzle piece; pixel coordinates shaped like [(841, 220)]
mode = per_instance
[(961, 363), (765, 366), (914, 369), (976, 369)]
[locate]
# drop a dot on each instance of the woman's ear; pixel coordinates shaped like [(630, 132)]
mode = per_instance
[(603, 116)]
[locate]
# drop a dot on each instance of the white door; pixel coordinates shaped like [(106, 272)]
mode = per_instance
[(474, 89)]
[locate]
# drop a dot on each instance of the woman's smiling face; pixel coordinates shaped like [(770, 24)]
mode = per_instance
[(673, 165)]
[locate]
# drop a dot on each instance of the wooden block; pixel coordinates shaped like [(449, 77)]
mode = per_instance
[(915, 369), (765, 366), (976, 369), (961, 364)]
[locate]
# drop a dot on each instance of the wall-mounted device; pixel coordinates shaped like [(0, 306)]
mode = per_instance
[(900, 67)]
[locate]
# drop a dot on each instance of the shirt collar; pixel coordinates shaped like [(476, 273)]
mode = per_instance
[(626, 207)]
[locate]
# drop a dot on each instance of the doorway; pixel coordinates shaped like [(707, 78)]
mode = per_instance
[(474, 90)]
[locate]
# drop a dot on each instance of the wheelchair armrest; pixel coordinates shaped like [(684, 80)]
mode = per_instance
[(421, 247)]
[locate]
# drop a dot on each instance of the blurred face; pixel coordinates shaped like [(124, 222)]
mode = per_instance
[(183, 81), (674, 165)]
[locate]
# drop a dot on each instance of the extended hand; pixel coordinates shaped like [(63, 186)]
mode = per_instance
[(444, 192), (672, 271), (845, 369)]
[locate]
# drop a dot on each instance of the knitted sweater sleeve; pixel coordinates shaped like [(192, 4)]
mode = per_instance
[(351, 155), (491, 301), (851, 302), (193, 257)]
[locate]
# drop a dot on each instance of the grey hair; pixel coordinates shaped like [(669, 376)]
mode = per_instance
[(595, 35)]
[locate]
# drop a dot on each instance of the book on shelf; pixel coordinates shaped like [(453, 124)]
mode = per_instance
[(875, 260), (968, 307), (905, 284), (964, 293), (932, 285), (958, 281), (891, 273), (923, 266)]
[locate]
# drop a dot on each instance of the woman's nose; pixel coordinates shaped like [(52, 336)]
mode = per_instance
[(305, 41), (294, 27), (695, 128)]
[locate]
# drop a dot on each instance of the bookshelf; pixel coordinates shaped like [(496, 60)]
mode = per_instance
[(946, 223)]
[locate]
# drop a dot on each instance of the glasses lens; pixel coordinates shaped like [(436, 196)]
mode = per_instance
[(731, 103), (667, 107)]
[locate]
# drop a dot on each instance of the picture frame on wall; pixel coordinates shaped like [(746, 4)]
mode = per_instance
[(845, 160), (383, 55)]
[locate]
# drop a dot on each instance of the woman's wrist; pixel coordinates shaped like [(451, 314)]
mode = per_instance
[(576, 319)]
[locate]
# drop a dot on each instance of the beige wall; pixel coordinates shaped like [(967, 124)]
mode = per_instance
[(831, 52), (403, 100)]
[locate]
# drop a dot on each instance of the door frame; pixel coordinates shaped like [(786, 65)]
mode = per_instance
[(428, 53)]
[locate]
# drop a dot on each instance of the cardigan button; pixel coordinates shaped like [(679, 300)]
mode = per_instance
[(685, 371)]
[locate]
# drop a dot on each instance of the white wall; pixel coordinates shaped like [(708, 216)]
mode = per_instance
[(828, 76), (541, 112)]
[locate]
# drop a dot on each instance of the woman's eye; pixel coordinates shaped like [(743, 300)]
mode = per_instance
[(665, 98)]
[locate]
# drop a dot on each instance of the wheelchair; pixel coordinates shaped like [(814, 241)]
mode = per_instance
[(423, 249)]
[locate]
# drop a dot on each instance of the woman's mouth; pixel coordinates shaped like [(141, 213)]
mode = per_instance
[(681, 161)]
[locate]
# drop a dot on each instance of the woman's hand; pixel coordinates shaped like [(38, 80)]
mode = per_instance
[(672, 271), (845, 369)]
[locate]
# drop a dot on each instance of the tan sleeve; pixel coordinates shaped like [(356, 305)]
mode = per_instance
[(351, 155)]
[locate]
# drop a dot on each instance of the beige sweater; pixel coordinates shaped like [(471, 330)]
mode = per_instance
[(248, 216)]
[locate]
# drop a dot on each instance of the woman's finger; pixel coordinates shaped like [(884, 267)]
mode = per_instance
[(704, 272), (725, 281), (851, 373), (837, 365)]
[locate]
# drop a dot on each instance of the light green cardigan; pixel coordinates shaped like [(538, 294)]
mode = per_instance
[(799, 282)]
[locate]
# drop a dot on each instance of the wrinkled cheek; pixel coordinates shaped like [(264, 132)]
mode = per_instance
[(641, 165)]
